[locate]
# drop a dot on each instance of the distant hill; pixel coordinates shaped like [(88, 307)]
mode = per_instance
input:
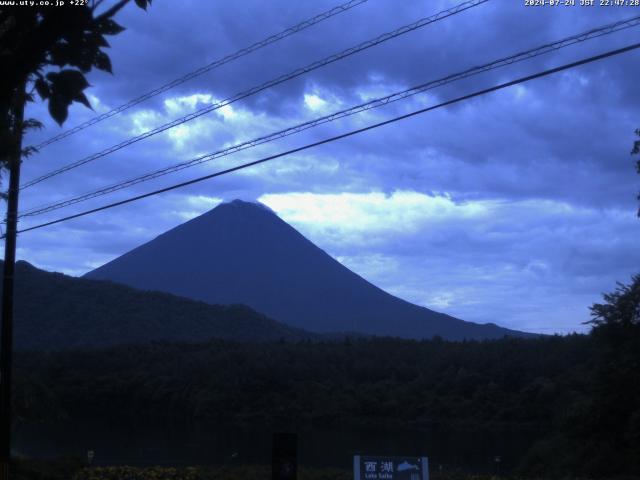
[(242, 252), (55, 311)]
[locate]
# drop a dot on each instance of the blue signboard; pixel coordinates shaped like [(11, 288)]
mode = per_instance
[(390, 468)]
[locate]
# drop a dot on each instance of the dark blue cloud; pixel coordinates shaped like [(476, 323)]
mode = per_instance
[(551, 157)]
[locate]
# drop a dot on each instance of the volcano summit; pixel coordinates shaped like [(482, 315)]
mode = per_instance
[(243, 253)]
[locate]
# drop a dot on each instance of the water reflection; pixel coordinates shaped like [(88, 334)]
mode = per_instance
[(143, 445)]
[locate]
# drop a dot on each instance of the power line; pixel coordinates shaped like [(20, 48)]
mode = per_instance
[(344, 135), (200, 71), (378, 102), (271, 83)]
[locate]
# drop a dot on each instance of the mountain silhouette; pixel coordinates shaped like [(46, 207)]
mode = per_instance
[(58, 312), (241, 252)]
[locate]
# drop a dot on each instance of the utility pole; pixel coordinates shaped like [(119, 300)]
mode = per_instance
[(6, 330)]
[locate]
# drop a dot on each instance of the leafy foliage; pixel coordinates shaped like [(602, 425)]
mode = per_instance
[(61, 89), (59, 469), (48, 50), (601, 435), (66, 469), (209, 473), (621, 307), (386, 383), (636, 151), (34, 470), (610, 427), (580, 392)]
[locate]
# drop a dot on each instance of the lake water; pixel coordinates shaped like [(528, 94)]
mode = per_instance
[(144, 445)]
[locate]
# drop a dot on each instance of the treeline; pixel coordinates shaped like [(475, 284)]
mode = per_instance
[(376, 381), (582, 392), (503, 384)]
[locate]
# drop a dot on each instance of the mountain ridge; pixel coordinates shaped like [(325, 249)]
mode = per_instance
[(241, 252), (54, 311)]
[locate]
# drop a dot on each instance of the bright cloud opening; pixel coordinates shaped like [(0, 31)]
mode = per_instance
[(314, 102)]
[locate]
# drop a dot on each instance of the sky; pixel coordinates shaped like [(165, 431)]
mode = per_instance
[(518, 207)]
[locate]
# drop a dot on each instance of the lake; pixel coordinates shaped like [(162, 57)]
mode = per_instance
[(145, 445)]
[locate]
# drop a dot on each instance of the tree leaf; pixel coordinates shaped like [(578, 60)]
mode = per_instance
[(42, 87), (58, 110), (32, 124), (66, 87), (142, 4), (62, 54), (99, 40), (102, 62), (109, 27), (69, 82), (28, 151), (82, 98)]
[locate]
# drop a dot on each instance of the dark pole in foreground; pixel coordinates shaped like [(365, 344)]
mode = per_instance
[(284, 460), (6, 331)]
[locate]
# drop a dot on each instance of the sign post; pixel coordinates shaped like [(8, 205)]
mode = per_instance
[(284, 462), (367, 467)]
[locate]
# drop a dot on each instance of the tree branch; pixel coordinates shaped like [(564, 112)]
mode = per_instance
[(112, 11)]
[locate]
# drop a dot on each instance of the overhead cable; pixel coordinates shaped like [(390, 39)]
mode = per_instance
[(206, 68), (269, 84), (243, 166), (375, 103)]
